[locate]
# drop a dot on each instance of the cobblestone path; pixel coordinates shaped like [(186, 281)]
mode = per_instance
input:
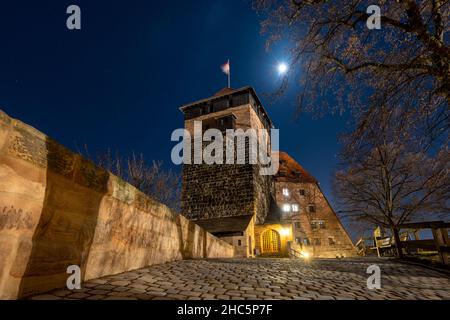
[(265, 279)]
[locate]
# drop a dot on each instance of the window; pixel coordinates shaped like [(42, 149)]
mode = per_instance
[(306, 241), (298, 240), (220, 104), (297, 224), (286, 208), (286, 192), (301, 192), (311, 208), (316, 241), (227, 122), (206, 109), (239, 243), (331, 241), (318, 224), (295, 208)]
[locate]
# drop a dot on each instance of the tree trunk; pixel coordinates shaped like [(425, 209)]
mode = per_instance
[(398, 247)]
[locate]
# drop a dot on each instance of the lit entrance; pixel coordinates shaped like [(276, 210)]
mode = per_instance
[(270, 241)]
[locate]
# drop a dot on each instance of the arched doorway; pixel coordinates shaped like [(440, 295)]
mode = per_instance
[(270, 241)]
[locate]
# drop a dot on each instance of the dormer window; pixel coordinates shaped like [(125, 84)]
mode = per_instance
[(286, 208), (286, 192)]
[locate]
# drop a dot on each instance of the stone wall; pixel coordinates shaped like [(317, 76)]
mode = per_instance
[(58, 209), (217, 190), (245, 243)]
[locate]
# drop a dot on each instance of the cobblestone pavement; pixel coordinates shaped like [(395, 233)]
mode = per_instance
[(265, 279)]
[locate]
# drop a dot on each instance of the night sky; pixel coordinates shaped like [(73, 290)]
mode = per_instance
[(118, 82)]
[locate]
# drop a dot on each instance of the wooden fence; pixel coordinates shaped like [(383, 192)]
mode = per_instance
[(385, 245)]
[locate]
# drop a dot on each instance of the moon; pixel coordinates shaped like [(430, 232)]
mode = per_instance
[(282, 68)]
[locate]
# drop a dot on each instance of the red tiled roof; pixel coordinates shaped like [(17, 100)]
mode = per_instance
[(291, 171)]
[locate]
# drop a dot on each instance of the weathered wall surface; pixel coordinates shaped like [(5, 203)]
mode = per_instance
[(57, 209)]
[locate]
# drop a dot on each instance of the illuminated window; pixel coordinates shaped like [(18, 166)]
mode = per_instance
[(286, 208), (295, 208), (286, 192), (318, 224)]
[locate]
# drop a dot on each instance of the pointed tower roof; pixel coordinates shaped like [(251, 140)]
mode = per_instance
[(224, 91), (291, 171)]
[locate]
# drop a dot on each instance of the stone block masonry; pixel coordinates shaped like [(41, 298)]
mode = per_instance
[(219, 190), (58, 209)]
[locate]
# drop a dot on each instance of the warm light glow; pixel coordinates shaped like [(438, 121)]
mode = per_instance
[(285, 232), (282, 68), (305, 254)]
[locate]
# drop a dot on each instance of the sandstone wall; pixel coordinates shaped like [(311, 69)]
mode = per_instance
[(58, 209)]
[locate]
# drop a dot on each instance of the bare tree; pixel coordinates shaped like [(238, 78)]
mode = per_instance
[(388, 180), (151, 179), (343, 64), (394, 81)]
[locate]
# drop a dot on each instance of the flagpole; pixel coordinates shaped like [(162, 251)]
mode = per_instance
[(229, 73)]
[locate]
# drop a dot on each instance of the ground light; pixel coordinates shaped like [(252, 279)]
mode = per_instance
[(305, 254), (285, 232)]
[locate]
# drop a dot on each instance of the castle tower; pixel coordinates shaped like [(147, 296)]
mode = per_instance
[(227, 199)]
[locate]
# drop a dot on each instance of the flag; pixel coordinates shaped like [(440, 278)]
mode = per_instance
[(226, 67)]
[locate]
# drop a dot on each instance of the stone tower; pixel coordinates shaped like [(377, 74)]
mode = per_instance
[(226, 199)]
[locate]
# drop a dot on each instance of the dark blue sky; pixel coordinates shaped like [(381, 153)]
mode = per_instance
[(119, 81)]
